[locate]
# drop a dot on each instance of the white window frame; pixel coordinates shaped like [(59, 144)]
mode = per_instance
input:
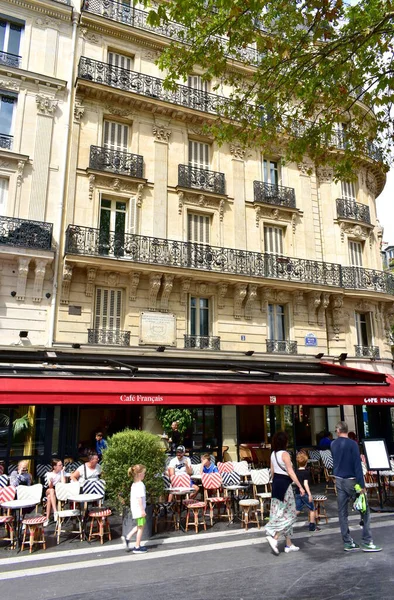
[(368, 326), (14, 97), (199, 228), (267, 170), (199, 154), (348, 190), (356, 250), (108, 321), (10, 22), (115, 135), (117, 59), (274, 238), (197, 319), (273, 335), (4, 186), (196, 83)]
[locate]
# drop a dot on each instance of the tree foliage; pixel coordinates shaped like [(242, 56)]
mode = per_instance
[(314, 65), (166, 416)]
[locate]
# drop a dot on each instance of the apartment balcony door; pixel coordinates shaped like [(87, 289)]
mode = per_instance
[(113, 216)]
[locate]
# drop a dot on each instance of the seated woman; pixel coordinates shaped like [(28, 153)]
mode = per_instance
[(21, 476), (91, 470), (53, 477)]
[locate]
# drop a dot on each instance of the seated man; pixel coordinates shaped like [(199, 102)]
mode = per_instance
[(207, 466), (182, 464), (89, 471), (325, 441)]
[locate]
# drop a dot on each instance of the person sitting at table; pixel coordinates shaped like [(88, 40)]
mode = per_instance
[(21, 476), (206, 465), (89, 471), (325, 441), (181, 464), (53, 477)]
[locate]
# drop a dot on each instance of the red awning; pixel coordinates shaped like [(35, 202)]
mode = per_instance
[(135, 392)]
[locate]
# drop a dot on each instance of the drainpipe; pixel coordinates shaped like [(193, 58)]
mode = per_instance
[(59, 225)]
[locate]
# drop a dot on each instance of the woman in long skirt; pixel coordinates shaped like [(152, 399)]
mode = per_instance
[(283, 509)]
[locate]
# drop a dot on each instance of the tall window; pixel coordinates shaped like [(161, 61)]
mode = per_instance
[(273, 239), (119, 60), (3, 195), (270, 172), (355, 253), (198, 155), (108, 309), (7, 106), (195, 82), (10, 37), (277, 322), (348, 190), (363, 329), (198, 228), (113, 216), (115, 136), (199, 316)]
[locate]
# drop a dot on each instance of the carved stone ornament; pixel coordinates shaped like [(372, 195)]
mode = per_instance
[(140, 189), (10, 84), (313, 304), (222, 291), (118, 112), (265, 297), (79, 111), (134, 279), (92, 180), (371, 239), (151, 55), (161, 134), (221, 210), (39, 276), (388, 319), (23, 270), (19, 172), (90, 36), (298, 298), (181, 196), (337, 313), (67, 276), (305, 168), (201, 201), (237, 152), (154, 287), (364, 306), (371, 182), (46, 22), (168, 282), (257, 210), (112, 279), (46, 105), (321, 313), (357, 232), (240, 291), (250, 300), (91, 276), (325, 174), (185, 289)]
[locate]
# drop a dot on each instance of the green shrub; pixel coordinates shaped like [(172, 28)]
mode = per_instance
[(128, 448), (166, 416)]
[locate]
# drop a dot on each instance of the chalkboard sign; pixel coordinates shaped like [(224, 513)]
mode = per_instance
[(376, 454)]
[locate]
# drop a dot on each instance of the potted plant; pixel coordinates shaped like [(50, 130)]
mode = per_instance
[(125, 449)]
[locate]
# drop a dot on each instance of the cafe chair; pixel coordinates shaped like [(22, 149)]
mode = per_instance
[(4, 481), (34, 528), (248, 510), (315, 465), (30, 493), (245, 453), (99, 518), (371, 485), (63, 492), (261, 481), (195, 459), (212, 483), (7, 494), (181, 480), (242, 469), (94, 486), (328, 463), (194, 508), (225, 467), (319, 501)]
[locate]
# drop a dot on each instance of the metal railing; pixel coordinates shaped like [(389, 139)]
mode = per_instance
[(6, 141), (202, 342), (25, 234), (271, 193), (357, 278), (281, 346), (349, 209), (201, 179), (116, 161), (367, 352), (11, 60), (109, 337)]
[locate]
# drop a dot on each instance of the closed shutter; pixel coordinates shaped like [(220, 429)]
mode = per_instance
[(108, 312), (198, 154), (3, 195), (133, 215), (195, 82), (198, 228), (348, 190), (273, 239), (115, 136), (355, 253), (119, 60)]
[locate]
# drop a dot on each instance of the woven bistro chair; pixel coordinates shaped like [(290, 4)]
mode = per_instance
[(328, 463), (65, 513), (212, 484), (7, 519), (225, 467), (261, 481)]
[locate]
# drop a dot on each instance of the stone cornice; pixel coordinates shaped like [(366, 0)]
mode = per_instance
[(38, 78), (58, 10)]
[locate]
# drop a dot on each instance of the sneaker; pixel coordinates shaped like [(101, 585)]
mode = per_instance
[(140, 550), (316, 528), (371, 547), (46, 523), (291, 548), (274, 544), (351, 546), (126, 543)]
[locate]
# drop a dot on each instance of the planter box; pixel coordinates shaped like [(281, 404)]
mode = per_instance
[(128, 523)]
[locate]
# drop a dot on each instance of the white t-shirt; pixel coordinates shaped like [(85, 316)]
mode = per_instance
[(137, 491), (278, 464), (179, 465), (91, 474), (54, 477)]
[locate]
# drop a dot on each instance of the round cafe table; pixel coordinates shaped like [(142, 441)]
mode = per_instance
[(17, 506), (85, 500)]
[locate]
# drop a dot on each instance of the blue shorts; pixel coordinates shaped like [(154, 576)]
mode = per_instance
[(302, 502)]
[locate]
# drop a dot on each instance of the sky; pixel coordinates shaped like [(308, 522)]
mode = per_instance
[(385, 209)]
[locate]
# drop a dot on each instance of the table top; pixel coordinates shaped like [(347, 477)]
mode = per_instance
[(196, 476), (235, 487), (180, 490), (18, 504), (86, 497)]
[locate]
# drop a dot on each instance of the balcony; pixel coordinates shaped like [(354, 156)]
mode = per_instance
[(367, 352), (201, 179), (6, 141), (271, 193), (108, 337), (115, 161), (10, 60), (348, 209), (148, 86), (25, 234), (87, 241), (202, 342), (281, 347)]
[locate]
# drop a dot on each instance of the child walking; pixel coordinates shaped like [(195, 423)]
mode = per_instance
[(137, 505), (303, 475)]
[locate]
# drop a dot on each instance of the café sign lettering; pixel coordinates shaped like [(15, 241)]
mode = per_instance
[(378, 400), (140, 398)]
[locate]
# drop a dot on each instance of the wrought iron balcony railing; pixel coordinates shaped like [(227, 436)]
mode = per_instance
[(126, 14), (274, 194), (349, 209), (109, 337), (6, 141), (367, 352), (202, 342), (87, 241), (201, 179), (115, 161), (151, 87), (25, 234), (281, 347), (11, 60)]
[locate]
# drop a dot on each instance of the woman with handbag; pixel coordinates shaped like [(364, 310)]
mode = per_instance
[(283, 509)]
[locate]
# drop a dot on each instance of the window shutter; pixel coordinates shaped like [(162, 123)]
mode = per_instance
[(195, 82), (355, 253), (119, 60), (108, 314), (348, 190), (198, 228), (115, 136), (133, 215), (198, 154), (3, 195), (273, 240)]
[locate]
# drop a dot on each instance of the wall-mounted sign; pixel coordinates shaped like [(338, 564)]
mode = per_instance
[(310, 339), (157, 328)]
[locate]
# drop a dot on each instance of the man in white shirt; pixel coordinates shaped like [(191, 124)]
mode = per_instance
[(182, 464), (90, 471)]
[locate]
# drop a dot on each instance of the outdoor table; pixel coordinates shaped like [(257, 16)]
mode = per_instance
[(196, 477), (179, 492), (232, 489), (17, 506), (85, 499)]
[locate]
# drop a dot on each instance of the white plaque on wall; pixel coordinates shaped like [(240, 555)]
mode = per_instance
[(157, 328)]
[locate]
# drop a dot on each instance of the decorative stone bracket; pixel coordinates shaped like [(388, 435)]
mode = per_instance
[(337, 313), (321, 313), (168, 282), (67, 275), (91, 277), (39, 276), (154, 287), (134, 279), (23, 270), (185, 289), (313, 304), (250, 299), (240, 291), (388, 320), (298, 298), (222, 291)]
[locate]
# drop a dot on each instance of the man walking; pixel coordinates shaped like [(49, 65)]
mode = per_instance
[(348, 472)]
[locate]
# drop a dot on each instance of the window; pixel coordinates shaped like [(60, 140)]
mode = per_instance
[(3, 195), (270, 172), (108, 310), (355, 253), (115, 136), (7, 105), (197, 94), (273, 239), (195, 82), (10, 37), (199, 316), (198, 228), (363, 329), (277, 322), (198, 155), (119, 60), (348, 190), (113, 223)]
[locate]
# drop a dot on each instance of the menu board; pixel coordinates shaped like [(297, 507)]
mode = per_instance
[(376, 455)]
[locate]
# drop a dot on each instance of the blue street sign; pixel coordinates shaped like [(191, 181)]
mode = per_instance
[(310, 339)]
